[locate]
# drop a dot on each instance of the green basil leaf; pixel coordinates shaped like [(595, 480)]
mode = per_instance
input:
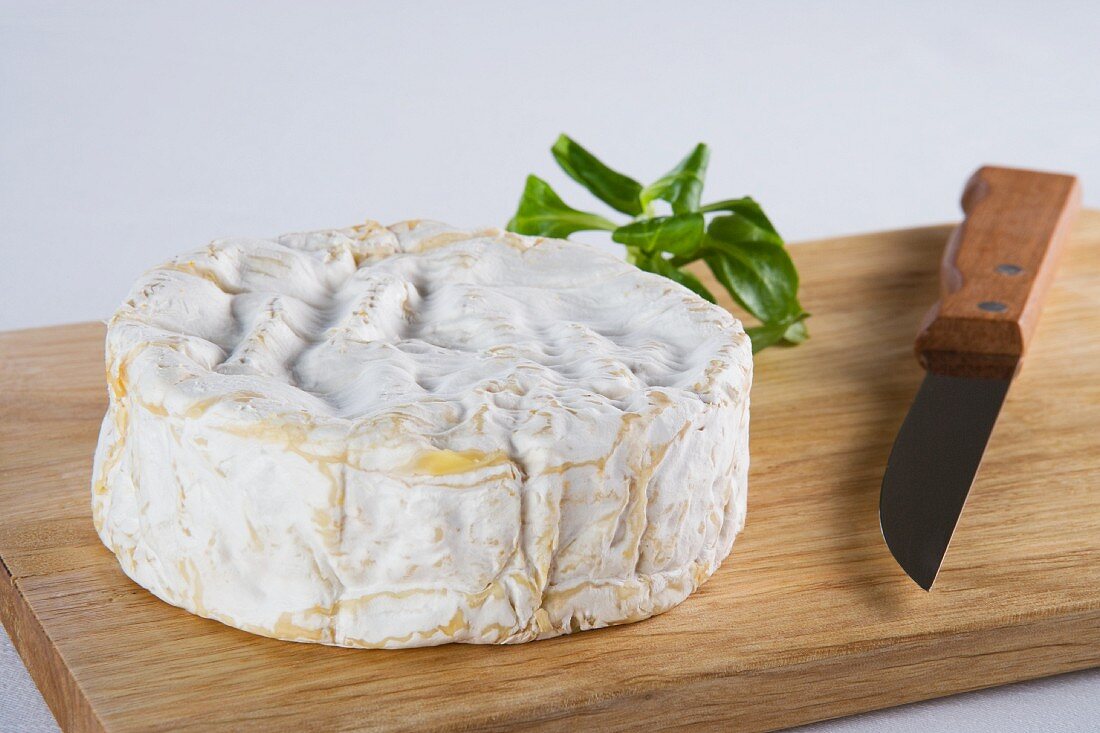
[(680, 234), (659, 265), (620, 192), (758, 275), (750, 224), (796, 333), (541, 212), (766, 335), (769, 334), (683, 185), (758, 282)]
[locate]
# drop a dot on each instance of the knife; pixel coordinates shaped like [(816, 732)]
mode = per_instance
[(995, 272)]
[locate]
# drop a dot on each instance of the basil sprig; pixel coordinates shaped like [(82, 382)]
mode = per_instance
[(739, 243)]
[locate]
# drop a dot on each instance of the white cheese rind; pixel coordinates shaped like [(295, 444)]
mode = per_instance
[(399, 437)]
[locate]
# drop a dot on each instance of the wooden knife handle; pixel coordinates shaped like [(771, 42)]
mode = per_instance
[(996, 270)]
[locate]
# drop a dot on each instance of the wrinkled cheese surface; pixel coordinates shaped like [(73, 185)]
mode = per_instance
[(403, 436)]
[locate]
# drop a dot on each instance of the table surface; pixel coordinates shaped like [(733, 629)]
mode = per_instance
[(131, 132)]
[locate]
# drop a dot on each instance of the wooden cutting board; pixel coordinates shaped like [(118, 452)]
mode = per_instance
[(809, 618)]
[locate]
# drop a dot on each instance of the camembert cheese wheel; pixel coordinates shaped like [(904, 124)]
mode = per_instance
[(413, 435)]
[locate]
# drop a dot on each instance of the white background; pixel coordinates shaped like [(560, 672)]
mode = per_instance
[(130, 132)]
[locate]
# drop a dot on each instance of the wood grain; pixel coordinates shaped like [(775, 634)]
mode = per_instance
[(997, 267), (809, 618)]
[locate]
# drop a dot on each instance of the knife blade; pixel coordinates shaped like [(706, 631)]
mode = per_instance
[(996, 269)]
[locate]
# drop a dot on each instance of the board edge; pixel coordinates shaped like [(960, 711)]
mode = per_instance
[(71, 709), (911, 672)]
